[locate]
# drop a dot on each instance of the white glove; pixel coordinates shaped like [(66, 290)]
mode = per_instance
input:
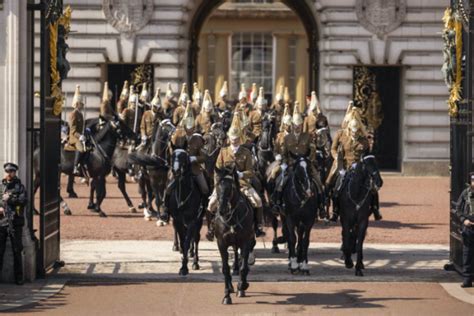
[(284, 166), (82, 138), (144, 139), (193, 158), (278, 157), (240, 174)]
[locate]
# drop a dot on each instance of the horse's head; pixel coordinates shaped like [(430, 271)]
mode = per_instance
[(372, 169), (226, 182), (162, 135), (322, 137), (302, 175), (180, 163), (120, 128), (226, 117), (265, 140)]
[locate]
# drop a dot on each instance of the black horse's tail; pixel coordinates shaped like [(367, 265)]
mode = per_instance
[(146, 160)]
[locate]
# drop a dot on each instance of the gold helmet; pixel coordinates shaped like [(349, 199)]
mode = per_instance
[(197, 95), (279, 95), (224, 90), (124, 94), (235, 130), (133, 98), (107, 94), (286, 96), (156, 102), (243, 92), (261, 102), (314, 103), (169, 91), (188, 117), (183, 97), (297, 117), (355, 125), (286, 118), (207, 105), (77, 99), (253, 94), (144, 94), (351, 112)]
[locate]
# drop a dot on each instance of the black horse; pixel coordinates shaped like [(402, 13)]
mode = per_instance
[(185, 206), (355, 199), (234, 226), (300, 207), (97, 161)]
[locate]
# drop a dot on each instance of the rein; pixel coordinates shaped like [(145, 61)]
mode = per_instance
[(227, 218), (359, 204)]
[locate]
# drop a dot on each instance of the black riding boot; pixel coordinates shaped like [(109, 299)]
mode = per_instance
[(210, 226), (335, 209), (376, 207), (78, 164), (164, 216), (322, 205), (259, 222)]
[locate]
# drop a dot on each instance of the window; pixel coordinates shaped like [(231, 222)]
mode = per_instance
[(252, 56)]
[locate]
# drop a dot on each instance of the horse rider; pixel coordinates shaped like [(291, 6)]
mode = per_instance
[(223, 104), (169, 103), (465, 213), (128, 114), (197, 98), (299, 144), (13, 199), (150, 120), (122, 102), (256, 115), (77, 140), (237, 156), (206, 117), (179, 111), (278, 106), (253, 94), (106, 112), (348, 148), (186, 138), (314, 119)]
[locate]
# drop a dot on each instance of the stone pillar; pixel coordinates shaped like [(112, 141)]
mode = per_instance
[(222, 65), (282, 60), (301, 68), (202, 63), (14, 62)]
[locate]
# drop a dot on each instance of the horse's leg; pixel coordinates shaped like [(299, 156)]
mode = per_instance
[(291, 244), (121, 185), (346, 243), (151, 195), (300, 244), (67, 210), (176, 241), (275, 248), (226, 271), (188, 234), (142, 188), (197, 238), (360, 245), (236, 266), (101, 193), (244, 270), (92, 205), (70, 187), (304, 267)]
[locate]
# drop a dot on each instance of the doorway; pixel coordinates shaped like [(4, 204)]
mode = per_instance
[(377, 90)]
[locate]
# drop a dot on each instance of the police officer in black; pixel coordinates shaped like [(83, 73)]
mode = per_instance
[(12, 203), (465, 212)]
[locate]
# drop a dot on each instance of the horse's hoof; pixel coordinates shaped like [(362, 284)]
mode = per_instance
[(141, 206), (244, 286), (147, 215), (281, 240), (191, 253), (73, 195), (67, 212), (102, 214), (91, 206), (133, 209), (349, 264), (294, 271), (196, 266), (359, 273), (241, 293), (160, 223), (231, 289), (227, 301), (183, 271), (304, 272), (175, 248), (235, 272), (252, 257), (275, 249)]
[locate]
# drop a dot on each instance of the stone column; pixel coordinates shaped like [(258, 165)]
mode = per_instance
[(14, 61), (282, 58), (202, 62), (301, 68), (222, 65)]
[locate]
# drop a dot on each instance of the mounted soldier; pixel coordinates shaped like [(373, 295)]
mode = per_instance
[(128, 114), (315, 119), (106, 112), (197, 98), (179, 111), (77, 139), (278, 106), (237, 156), (169, 103), (223, 104), (123, 100), (256, 114), (206, 117), (187, 139), (150, 120), (253, 94)]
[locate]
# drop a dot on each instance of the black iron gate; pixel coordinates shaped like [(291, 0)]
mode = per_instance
[(461, 163)]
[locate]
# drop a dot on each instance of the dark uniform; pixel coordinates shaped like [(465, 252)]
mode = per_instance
[(13, 201), (464, 210)]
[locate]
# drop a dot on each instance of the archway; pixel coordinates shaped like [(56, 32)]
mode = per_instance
[(304, 9)]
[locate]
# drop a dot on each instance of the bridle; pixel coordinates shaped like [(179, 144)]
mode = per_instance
[(229, 216)]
